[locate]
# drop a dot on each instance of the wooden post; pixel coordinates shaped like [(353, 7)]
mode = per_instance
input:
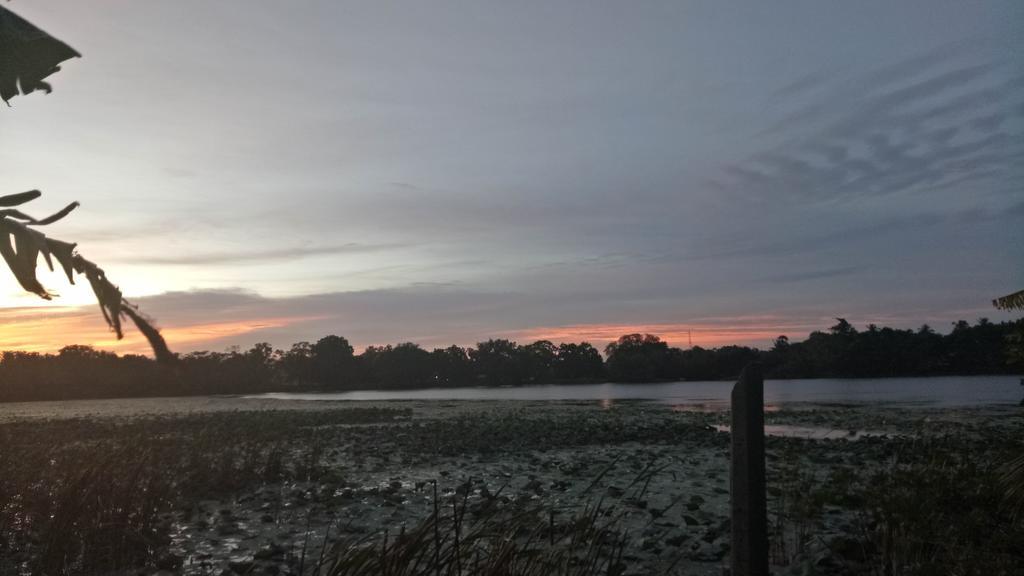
[(747, 478)]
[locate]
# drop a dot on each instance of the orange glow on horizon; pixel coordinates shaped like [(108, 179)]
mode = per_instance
[(50, 329), (47, 329), (754, 330)]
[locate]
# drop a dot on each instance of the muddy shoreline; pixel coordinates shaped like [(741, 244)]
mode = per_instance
[(661, 471)]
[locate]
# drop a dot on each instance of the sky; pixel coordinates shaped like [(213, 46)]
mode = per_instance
[(446, 172)]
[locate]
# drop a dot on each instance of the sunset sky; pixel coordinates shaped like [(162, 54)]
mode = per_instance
[(447, 172)]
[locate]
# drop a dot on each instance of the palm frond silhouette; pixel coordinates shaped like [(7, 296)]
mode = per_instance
[(27, 56), (21, 244), (1013, 301)]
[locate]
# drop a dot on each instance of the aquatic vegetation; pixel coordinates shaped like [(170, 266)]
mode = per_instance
[(519, 542), (556, 488), (937, 508), (1012, 480), (89, 496)]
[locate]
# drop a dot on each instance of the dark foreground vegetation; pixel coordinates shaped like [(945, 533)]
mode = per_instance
[(331, 364), (556, 490)]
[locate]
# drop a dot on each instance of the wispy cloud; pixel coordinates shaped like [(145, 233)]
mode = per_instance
[(814, 274), (791, 242), (944, 121), (259, 256)]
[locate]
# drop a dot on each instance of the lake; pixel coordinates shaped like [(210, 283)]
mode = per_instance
[(958, 391), (934, 391)]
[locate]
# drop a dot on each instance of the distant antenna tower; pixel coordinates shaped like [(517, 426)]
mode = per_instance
[(689, 334)]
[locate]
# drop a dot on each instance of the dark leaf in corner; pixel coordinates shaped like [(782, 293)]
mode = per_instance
[(27, 56)]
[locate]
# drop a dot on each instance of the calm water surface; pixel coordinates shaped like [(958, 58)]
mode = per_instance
[(943, 391)]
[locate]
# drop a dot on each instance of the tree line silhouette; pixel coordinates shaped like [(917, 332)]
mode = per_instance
[(331, 363)]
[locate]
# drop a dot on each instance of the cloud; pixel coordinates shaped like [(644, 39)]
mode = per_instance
[(433, 317), (789, 241), (814, 274), (50, 330), (220, 318), (806, 83), (560, 183), (930, 123), (259, 256)]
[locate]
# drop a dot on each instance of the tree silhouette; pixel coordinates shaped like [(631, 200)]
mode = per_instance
[(638, 358), (578, 362), (498, 362), (28, 56), (332, 361)]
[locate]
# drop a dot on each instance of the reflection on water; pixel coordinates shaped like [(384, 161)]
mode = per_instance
[(701, 407), (809, 432), (607, 403), (713, 396), (706, 408)]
